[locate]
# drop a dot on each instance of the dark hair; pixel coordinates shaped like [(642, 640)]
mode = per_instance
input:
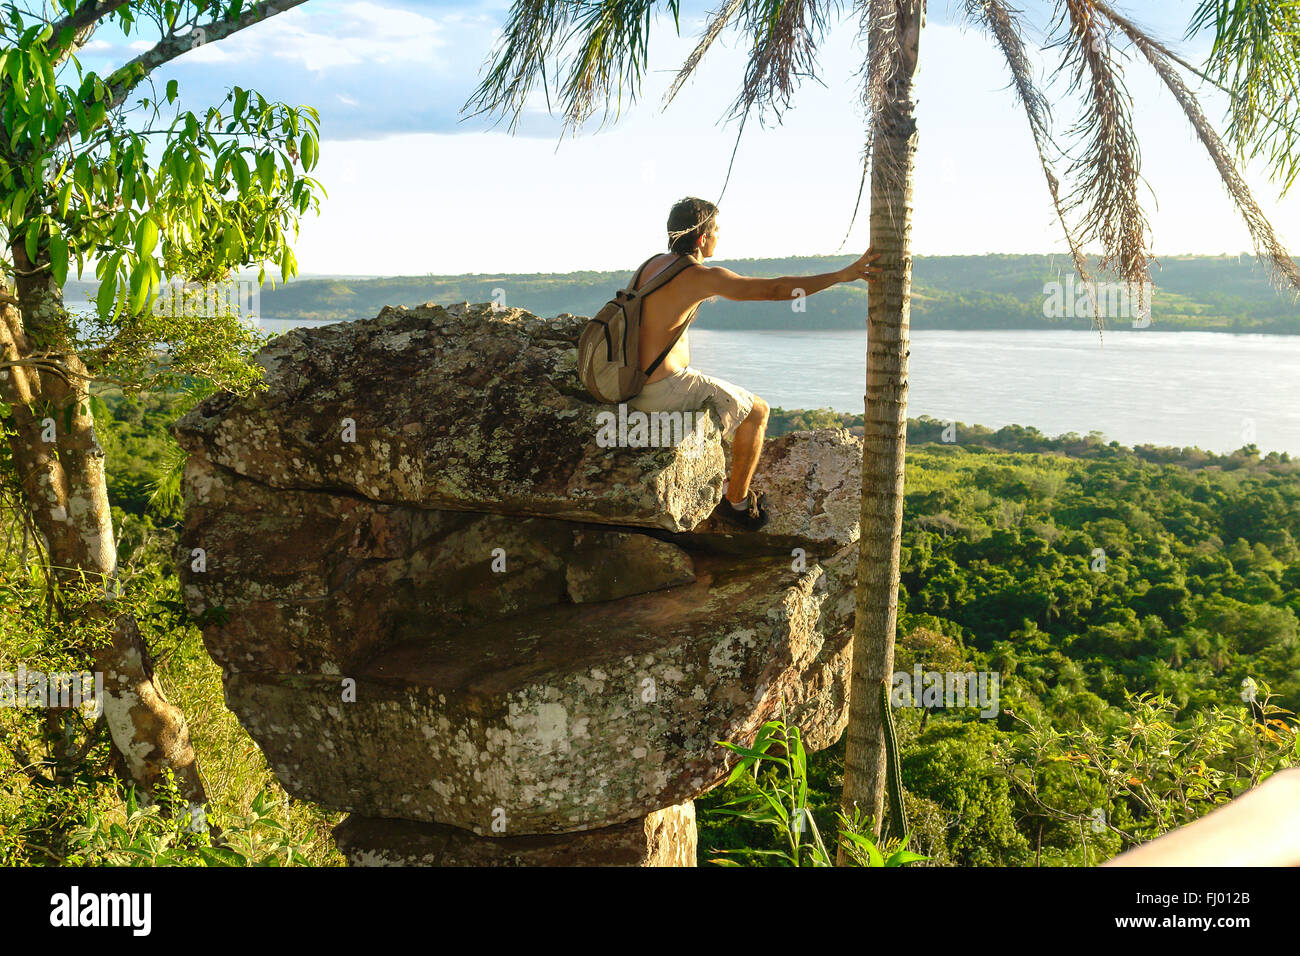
[(687, 221)]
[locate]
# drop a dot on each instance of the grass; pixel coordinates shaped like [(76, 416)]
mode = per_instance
[(234, 770)]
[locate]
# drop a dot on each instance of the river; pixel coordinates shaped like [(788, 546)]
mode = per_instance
[(1208, 389)]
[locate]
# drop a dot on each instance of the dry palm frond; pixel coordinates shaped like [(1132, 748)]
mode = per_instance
[(721, 18), (1268, 247), (785, 35), (1108, 172), (717, 24), (1003, 26), (878, 33)]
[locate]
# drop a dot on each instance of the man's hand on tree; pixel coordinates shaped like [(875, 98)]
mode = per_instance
[(863, 268)]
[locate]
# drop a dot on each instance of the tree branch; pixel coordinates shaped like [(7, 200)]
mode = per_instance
[(83, 21), (131, 74), (88, 14)]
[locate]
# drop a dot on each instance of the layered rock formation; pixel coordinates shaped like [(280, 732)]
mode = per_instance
[(443, 603)]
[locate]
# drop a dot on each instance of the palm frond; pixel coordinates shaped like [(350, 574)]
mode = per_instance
[(1002, 23), (721, 17), (1256, 56), (611, 41), (1268, 247), (785, 35), (1107, 173), (520, 58), (613, 51)]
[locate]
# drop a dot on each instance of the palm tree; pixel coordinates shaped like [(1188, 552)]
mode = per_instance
[(1174, 648), (1095, 196)]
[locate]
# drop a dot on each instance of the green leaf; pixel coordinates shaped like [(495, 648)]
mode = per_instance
[(59, 258), (857, 838), (146, 237), (266, 170), (83, 121), (903, 857), (240, 167), (173, 89), (15, 67), (33, 239), (139, 287), (873, 856), (221, 856), (107, 296)]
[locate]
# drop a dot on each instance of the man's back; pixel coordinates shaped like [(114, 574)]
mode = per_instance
[(662, 312)]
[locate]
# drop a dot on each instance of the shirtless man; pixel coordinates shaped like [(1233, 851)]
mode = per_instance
[(675, 386)]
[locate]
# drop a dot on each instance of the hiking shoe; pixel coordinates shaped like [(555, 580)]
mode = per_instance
[(753, 517)]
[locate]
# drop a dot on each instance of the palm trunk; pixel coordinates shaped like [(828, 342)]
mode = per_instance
[(64, 484), (885, 438)]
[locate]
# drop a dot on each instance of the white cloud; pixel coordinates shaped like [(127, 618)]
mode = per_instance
[(352, 34)]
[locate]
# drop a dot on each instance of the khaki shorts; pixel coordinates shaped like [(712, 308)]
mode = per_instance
[(688, 390)]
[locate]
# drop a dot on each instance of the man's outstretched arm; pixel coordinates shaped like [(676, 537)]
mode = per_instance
[(729, 285), (1260, 828)]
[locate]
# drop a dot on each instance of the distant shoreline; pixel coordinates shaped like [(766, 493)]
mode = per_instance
[(949, 293), (704, 326)]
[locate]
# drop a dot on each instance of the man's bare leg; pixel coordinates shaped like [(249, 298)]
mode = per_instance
[(746, 445)]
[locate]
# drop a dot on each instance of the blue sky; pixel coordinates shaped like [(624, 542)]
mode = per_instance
[(415, 188)]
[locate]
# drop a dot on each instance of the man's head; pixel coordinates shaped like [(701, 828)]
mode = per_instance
[(693, 227)]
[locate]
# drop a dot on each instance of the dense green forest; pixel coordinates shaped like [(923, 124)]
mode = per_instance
[(1083, 573), (1221, 294), (1132, 602)]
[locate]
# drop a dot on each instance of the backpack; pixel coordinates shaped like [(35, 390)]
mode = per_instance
[(609, 349)]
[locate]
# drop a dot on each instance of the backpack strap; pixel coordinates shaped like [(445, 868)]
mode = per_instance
[(681, 330), (631, 288), (662, 278)]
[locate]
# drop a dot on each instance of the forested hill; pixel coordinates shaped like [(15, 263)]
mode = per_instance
[(1228, 294)]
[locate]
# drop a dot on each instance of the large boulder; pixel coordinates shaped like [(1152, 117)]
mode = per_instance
[(570, 717), (463, 409), (300, 582), (813, 484), (443, 602)]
